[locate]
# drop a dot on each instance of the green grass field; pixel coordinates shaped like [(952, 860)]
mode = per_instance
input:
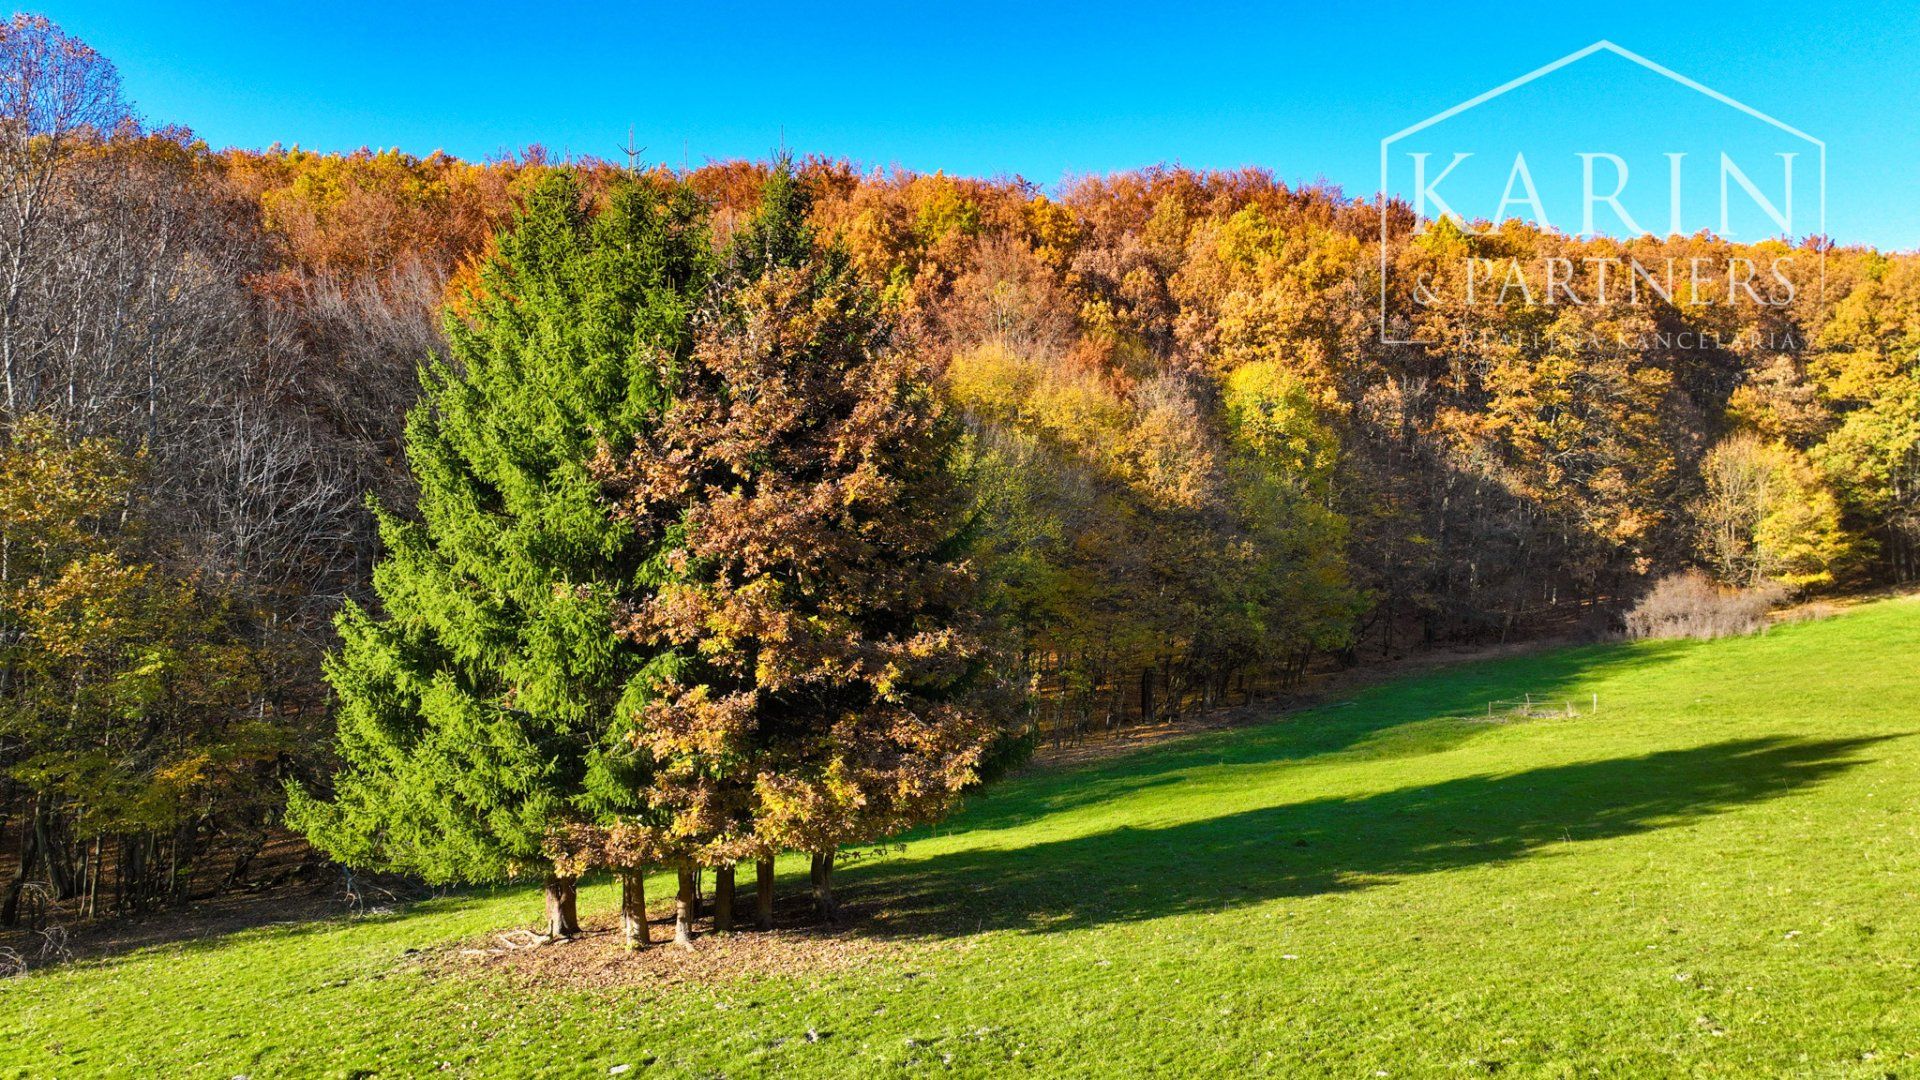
[(1716, 874)]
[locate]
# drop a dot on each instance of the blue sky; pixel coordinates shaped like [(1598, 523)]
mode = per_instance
[(994, 88)]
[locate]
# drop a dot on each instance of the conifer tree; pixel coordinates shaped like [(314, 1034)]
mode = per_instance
[(828, 681), (481, 709)]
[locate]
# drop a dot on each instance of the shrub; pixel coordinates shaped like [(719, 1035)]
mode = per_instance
[(1690, 605)]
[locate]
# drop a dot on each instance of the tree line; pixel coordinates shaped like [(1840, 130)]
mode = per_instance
[(1177, 465)]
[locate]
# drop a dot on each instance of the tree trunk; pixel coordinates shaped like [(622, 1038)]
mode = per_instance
[(823, 887), (241, 864), (563, 917), (176, 881), (683, 910), (93, 883), (53, 853), (722, 899), (133, 873), (633, 908), (763, 894), (29, 852)]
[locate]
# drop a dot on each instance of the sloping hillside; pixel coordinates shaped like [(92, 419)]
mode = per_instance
[(1717, 871)]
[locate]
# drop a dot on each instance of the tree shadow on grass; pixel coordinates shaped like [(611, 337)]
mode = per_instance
[(1332, 845), (287, 914), (1422, 713)]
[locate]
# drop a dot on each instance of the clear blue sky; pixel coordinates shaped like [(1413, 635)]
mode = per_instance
[(994, 87)]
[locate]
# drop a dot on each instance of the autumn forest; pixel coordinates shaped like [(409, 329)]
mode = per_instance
[(696, 516)]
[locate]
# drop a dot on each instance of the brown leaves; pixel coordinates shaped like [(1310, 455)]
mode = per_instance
[(801, 472)]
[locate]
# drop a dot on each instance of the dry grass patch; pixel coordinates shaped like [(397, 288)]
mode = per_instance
[(597, 960)]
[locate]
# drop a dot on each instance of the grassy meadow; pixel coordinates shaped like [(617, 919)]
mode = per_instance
[(1716, 873)]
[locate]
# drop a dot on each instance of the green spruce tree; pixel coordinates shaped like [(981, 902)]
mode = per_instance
[(485, 709)]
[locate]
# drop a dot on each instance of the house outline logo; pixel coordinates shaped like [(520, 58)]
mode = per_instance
[(1603, 45)]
